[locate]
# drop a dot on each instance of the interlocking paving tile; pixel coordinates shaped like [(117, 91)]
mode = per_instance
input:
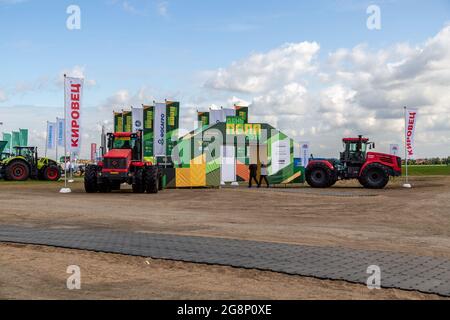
[(398, 270)]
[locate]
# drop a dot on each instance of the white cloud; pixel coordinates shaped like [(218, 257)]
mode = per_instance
[(46, 82), (354, 91), (163, 8), (261, 71)]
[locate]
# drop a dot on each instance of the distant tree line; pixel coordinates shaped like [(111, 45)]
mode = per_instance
[(429, 161)]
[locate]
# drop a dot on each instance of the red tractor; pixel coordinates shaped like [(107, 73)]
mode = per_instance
[(123, 163), (372, 169)]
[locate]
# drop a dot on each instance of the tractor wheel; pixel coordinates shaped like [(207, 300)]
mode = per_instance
[(139, 183), (17, 170), (151, 179), (51, 173), (320, 176), (374, 176), (90, 179)]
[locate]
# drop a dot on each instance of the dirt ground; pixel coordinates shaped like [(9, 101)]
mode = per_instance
[(415, 221), (36, 272)]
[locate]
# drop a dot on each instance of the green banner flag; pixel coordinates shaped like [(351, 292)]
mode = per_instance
[(15, 140), (203, 117), (149, 114), (173, 124), (118, 122), (3, 146), (8, 138), (127, 121), (242, 112), (23, 137)]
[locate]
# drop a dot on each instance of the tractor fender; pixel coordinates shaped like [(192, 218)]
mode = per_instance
[(325, 162), (372, 162)]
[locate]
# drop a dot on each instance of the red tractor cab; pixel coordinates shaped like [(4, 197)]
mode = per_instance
[(123, 163), (372, 169)]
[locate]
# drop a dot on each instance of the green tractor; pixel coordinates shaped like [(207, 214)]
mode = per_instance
[(25, 164)]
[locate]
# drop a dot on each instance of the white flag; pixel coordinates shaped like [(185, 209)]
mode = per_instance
[(305, 154), (74, 96), (410, 122), (228, 113), (216, 116), (60, 132), (394, 149), (51, 129), (137, 114), (160, 124)]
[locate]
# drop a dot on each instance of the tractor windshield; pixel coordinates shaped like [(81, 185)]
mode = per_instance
[(124, 143), (353, 147), (27, 153)]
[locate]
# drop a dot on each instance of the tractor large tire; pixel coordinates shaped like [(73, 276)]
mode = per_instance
[(17, 170), (139, 182), (151, 179), (51, 173), (90, 179), (320, 175), (374, 176)]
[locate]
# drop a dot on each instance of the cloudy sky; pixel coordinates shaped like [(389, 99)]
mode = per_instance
[(311, 68)]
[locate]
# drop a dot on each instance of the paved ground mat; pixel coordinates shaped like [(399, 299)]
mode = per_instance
[(398, 270)]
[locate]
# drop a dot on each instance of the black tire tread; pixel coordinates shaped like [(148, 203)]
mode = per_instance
[(8, 172), (363, 179), (330, 176), (151, 179), (90, 179)]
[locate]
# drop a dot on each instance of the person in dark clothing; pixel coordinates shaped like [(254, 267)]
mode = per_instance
[(253, 172), (263, 175)]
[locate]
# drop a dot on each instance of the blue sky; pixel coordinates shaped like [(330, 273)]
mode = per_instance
[(170, 48)]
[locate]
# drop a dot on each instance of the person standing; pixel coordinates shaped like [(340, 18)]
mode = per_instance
[(263, 175), (253, 168)]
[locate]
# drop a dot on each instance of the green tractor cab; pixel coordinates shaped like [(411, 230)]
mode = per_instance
[(25, 165)]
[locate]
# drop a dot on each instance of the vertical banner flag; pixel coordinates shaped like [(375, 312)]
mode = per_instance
[(60, 132), (93, 152), (305, 154), (118, 122), (160, 123), (3, 146), (410, 121), (74, 97), (127, 121), (228, 113), (173, 124), (137, 114), (23, 137), (394, 149), (149, 112), (51, 136), (242, 112), (15, 140), (8, 138), (203, 117), (216, 116)]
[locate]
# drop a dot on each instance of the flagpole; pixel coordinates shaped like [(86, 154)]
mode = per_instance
[(65, 189), (65, 136)]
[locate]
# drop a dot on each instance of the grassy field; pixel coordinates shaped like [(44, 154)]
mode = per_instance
[(432, 170)]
